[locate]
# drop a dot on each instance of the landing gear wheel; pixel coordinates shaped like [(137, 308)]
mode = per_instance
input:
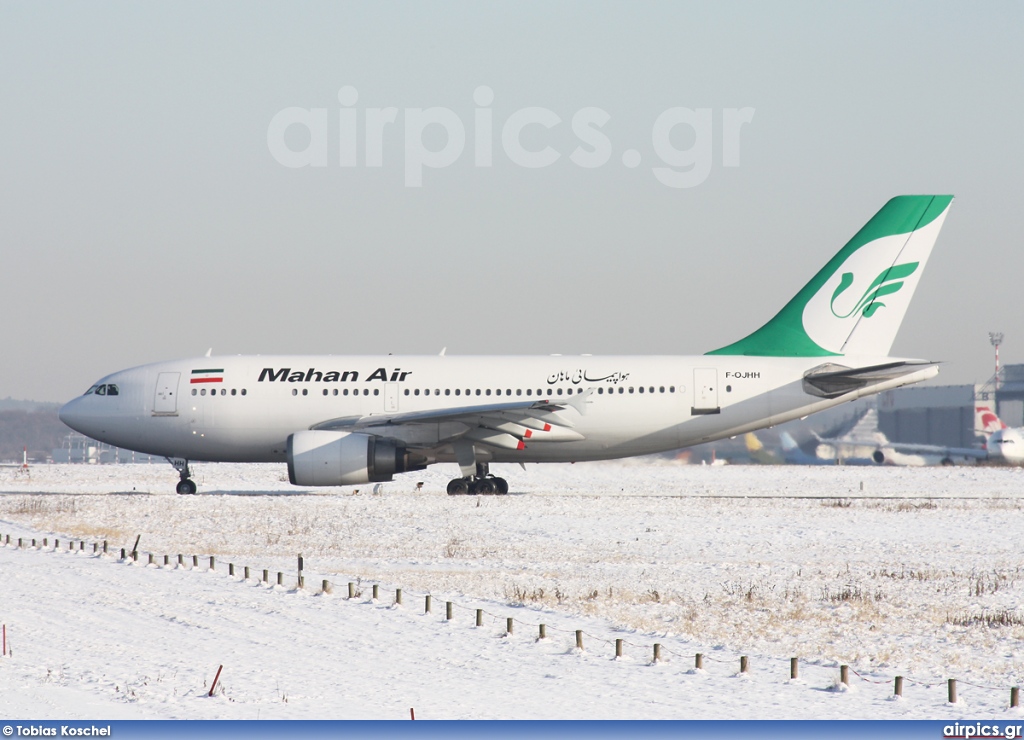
[(502, 485), (458, 487), (186, 487), (484, 487)]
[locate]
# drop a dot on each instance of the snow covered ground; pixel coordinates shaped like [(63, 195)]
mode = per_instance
[(913, 572)]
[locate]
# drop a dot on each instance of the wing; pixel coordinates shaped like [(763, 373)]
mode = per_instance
[(505, 425)]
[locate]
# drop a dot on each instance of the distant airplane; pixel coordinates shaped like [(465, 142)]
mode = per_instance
[(864, 440), (1005, 444), (338, 420)]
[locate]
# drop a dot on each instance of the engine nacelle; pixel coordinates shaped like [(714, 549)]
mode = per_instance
[(345, 458)]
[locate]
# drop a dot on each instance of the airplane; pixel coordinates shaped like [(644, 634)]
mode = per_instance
[(1005, 444), (351, 420), (866, 441)]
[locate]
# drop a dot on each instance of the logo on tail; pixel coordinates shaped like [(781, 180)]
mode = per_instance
[(888, 282)]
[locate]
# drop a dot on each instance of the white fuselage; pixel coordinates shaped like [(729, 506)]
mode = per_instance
[(636, 405)]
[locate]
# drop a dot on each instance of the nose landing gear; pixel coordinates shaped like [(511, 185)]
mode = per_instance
[(186, 486)]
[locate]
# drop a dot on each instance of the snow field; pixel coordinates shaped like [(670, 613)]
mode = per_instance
[(890, 583)]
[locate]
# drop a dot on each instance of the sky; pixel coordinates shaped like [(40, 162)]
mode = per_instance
[(183, 176)]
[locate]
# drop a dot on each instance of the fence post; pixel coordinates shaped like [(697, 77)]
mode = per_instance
[(212, 566), (448, 610), (326, 587), (195, 561), (844, 675), (657, 652), (122, 553), (618, 647), (951, 685), (33, 542), (543, 634), (351, 590), (426, 604), (1014, 697), (479, 617), (280, 578), (579, 639), (81, 546), (231, 569), (508, 626), (698, 661), (246, 572), (135, 555), (897, 689), (744, 664), (56, 543), (46, 542), (793, 669), (104, 547), (301, 580), (266, 576), (19, 543), (150, 558), (376, 592)]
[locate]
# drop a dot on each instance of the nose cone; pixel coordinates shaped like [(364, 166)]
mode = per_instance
[(77, 416)]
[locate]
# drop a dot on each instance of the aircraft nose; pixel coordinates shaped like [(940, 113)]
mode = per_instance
[(71, 414)]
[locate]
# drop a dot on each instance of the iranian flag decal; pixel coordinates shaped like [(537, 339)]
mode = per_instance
[(208, 376)]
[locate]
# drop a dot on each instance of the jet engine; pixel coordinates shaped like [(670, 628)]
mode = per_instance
[(318, 458)]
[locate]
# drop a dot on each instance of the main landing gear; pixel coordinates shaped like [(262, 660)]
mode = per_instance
[(481, 484), (186, 486)]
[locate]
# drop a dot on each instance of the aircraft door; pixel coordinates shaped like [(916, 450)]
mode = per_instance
[(705, 391), (390, 397), (165, 402)]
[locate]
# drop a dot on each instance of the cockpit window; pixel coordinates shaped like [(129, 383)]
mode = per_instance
[(107, 389)]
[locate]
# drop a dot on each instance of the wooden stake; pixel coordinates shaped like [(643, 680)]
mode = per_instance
[(897, 689), (618, 647), (426, 604), (326, 587), (698, 661), (214, 686), (657, 652), (412, 713), (479, 617), (844, 675), (398, 596), (951, 690), (280, 578), (579, 639), (195, 561), (1015, 697), (508, 626), (543, 635), (266, 576), (351, 590), (744, 664), (231, 569), (150, 558), (793, 668), (376, 592), (212, 566), (246, 572), (448, 610)]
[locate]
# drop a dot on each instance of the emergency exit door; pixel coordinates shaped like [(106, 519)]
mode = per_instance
[(165, 403)]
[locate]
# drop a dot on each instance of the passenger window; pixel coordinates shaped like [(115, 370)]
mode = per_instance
[(519, 391), (195, 392), (671, 389), (661, 390), (234, 391), (325, 391), (529, 391), (488, 392), (407, 391), (295, 391), (457, 391), (305, 391), (641, 389), (376, 391), (497, 392), (600, 391), (243, 391), (559, 391), (201, 393), (478, 391), (416, 392), (621, 390), (366, 391), (335, 391)]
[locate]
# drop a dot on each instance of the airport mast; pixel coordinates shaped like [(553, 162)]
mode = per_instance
[(996, 338)]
